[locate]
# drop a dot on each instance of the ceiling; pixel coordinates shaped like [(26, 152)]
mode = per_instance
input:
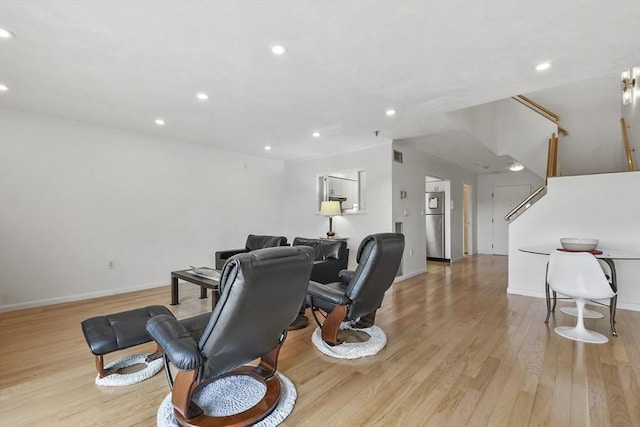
[(589, 110), (124, 64)]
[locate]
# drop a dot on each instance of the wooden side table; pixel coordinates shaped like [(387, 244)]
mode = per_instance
[(204, 283)]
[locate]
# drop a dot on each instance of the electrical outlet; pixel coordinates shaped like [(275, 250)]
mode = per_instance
[(112, 264)]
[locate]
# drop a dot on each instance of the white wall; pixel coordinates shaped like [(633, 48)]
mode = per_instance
[(300, 197), (74, 197), (524, 135), (410, 177), (486, 183), (507, 127), (604, 206), (590, 110)]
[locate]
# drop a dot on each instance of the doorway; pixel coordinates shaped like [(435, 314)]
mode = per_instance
[(503, 200), (466, 219)]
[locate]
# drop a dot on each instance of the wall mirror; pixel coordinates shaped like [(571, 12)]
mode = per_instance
[(347, 187)]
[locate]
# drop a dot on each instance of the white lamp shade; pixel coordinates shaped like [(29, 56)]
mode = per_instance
[(330, 208)]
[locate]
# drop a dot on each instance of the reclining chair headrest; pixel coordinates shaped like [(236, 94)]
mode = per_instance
[(255, 241), (324, 249), (380, 238)]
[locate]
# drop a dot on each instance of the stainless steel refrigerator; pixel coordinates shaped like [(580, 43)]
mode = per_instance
[(434, 216)]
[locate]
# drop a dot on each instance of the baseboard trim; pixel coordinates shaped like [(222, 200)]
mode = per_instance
[(78, 297), (526, 292), (439, 259), (409, 275)]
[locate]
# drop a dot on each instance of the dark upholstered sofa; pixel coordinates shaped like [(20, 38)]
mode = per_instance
[(330, 256), (253, 242)]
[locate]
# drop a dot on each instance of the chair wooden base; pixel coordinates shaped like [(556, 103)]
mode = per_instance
[(301, 321), (188, 413), (333, 321), (331, 325)]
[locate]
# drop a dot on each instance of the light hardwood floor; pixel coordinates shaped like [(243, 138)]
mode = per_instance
[(460, 351)]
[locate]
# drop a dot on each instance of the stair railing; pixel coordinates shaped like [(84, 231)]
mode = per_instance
[(552, 156), (627, 145), (552, 153), (545, 112), (552, 170), (524, 204)]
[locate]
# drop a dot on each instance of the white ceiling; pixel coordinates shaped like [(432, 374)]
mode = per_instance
[(123, 64), (590, 111)]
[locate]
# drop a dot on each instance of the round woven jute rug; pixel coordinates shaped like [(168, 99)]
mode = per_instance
[(233, 394), (125, 372), (352, 350)]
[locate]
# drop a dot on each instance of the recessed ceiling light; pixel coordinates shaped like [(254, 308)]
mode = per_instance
[(3, 88), (202, 96), (267, 147), (160, 122), (543, 66), (516, 167), (5, 34), (278, 49), (391, 112), (316, 134)]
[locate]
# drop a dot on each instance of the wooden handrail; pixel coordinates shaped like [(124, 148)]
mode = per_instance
[(627, 145), (555, 155), (552, 156), (537, 108), (531, 196), (545, 112), (552, 165)]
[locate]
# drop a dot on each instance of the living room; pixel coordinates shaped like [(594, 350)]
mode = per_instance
[(95, 208)]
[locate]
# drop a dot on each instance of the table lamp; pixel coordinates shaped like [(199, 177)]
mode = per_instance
[(330, 209)]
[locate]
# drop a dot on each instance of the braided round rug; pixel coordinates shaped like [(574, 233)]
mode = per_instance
[(352, 350), (118, 379), (233, 394)]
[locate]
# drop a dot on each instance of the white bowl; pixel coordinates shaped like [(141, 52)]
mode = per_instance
[(574, 244)]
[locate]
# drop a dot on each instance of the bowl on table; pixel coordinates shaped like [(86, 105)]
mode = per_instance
[(578, 244)]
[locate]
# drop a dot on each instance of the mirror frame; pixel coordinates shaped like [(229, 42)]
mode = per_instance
[(321, 188)]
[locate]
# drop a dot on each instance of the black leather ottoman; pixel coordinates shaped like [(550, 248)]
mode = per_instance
[(118, 331)]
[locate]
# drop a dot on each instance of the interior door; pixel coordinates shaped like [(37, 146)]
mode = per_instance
[(504, 199)]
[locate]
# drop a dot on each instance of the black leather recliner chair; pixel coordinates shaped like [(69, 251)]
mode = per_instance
[(329, 257), (253, 243), (358, 294), (260, 294)]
